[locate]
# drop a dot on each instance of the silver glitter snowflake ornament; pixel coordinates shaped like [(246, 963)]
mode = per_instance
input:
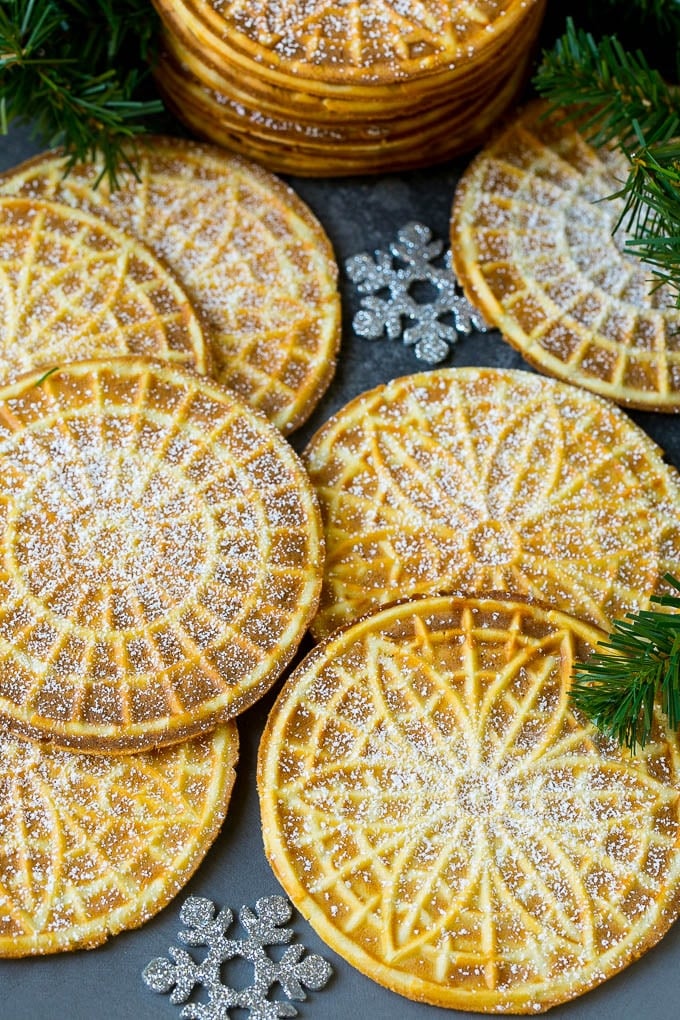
[(181, 975), (412, 261)]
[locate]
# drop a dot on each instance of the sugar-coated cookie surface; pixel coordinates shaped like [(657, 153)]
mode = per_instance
[(73, 286), (433, 806), (91, 845), (161, 555), (255, 261), (478, 479), (363, 42), (533, 246), (324, 89)]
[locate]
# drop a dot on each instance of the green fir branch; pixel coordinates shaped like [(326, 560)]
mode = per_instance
[(78, 70), (613, 95), (652, 210), (619, 685)]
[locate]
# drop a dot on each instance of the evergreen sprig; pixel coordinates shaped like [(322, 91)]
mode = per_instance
[(618, 686), (652, 210), (615, 96), (78, 70), (611, 93)]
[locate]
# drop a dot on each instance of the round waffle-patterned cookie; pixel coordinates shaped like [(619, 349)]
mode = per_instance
[(481, 479), (91, 845), (161, 555), (433, 806), (73, 286), (534, 250), (254, 260), (364, 46)]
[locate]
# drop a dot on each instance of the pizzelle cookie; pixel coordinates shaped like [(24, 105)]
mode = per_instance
[(479, 479), (449, 826), (91, 845), (255, 261), (371, 45), (324, 88), (287, 144), (161, 555), (73, 286), (533, 248)]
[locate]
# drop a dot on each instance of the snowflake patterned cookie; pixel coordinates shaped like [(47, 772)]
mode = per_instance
[(412, 260), (181, 975), (545, 259), (91, 845), (481, 479), (450, 826)]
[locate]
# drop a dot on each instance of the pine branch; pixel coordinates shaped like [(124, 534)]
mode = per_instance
[(613, 95), (77, 69), (652, 210), (608, 90), (617, 687)]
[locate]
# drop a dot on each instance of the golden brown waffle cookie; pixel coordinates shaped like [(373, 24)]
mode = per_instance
[(333, 47), (73, 286), (252, 257), (92, 845), (323, 89), (446, 823), (479, 479), (161, 555), (290, 145), (533, 249)]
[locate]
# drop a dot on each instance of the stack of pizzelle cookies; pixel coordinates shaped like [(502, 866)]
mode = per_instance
[(161, 549), (430, 800), (325, 89)]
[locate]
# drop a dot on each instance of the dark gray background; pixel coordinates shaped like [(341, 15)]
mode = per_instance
[(359, 214)]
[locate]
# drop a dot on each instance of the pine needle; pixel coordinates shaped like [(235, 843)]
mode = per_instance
[(618, 686), (613, 95), (78, 70)]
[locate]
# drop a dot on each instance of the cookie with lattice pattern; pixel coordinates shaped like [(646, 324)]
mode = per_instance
[(321, 89), (161, 555), (353, 49), (255, 261), (91, 845), (535, 249), (450, 826), (479, 479), (74, 286)]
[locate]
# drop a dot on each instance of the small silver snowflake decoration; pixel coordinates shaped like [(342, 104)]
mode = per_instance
[(181, 975), (415, 255)]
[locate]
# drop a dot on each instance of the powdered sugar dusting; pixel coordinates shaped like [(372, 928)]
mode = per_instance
[(394, 37), (487, 480), (251, 257), (541, 242), (75, 287), (129, 575), (448, 813), (92, 845)]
